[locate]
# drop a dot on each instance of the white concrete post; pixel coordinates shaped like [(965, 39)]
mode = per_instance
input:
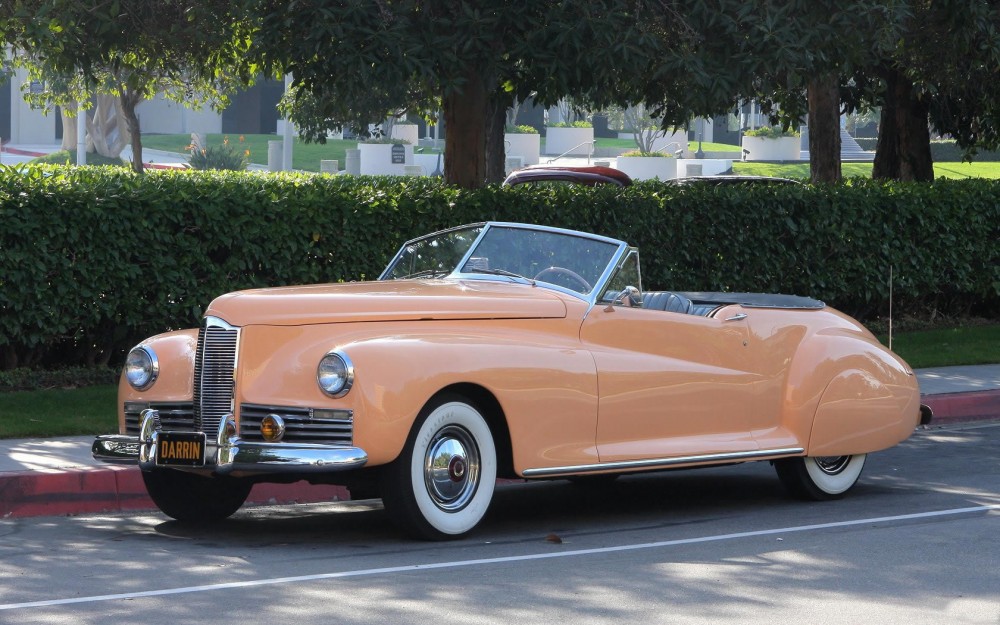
[(286, 155), (81, 134)]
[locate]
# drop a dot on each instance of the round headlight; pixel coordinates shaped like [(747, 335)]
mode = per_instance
[(141, 368), (335, 374)]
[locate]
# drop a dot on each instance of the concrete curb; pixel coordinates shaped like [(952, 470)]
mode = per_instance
[(97, 489)]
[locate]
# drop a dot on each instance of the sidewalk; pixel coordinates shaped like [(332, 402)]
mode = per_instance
[(41, 477), (154, 159)]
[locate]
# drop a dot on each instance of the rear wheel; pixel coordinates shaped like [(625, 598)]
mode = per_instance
[(442, 483), (194, 498), (820, 477)]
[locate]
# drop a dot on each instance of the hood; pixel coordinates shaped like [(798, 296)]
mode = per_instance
[(393, 300)]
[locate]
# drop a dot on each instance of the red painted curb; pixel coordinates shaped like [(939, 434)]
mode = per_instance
[(964, 407), (20, 152), (118, 489)]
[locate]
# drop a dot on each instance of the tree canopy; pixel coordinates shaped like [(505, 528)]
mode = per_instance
[(356, 59), (132, 49)]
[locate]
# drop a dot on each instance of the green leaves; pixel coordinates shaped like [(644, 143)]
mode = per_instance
[(92, 260)]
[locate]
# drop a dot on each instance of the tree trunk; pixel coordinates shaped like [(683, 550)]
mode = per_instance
[(465, 134), (824, 129), (105, 134), (496, 149), (69, 127), (129, 102), (904, 140)]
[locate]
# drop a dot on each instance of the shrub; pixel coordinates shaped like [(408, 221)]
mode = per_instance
[(576, 124), (226, 156), (68, 157), (641, 153), (521, 130), (384, 141), (24, 379), (769, 132), (92, 260)]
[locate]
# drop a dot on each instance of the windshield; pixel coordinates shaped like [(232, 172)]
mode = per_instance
[(573, 261), (432, 256)]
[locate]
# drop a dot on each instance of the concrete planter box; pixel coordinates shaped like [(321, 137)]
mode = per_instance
[(568, 141), (524, 145), (693, 167), (648, 167), (780, 149), (376, 159)]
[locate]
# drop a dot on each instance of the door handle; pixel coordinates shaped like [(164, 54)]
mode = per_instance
[(737, 317)]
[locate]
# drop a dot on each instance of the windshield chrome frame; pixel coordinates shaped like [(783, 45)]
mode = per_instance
[(622, 249)]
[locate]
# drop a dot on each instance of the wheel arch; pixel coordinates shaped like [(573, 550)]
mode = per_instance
[(495, 417)]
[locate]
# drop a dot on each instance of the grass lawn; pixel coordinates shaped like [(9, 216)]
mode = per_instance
[(850, 170), (943, 347), (91, 410), (305, 156), (59, 412)]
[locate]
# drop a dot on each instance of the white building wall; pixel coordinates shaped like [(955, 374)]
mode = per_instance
[(29, 126), (161, 116)]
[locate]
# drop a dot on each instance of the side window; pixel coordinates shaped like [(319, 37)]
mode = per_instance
[(627, 274)]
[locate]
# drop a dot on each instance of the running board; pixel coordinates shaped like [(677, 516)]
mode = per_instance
[(663, 463)]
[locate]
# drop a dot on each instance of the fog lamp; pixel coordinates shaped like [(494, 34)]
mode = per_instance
[(272, 428)]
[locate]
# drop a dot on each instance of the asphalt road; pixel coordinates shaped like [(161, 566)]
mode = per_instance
[(915, 542)]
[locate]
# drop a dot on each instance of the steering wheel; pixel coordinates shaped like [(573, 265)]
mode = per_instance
[(564, 273)]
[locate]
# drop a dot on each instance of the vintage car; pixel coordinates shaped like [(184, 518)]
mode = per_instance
[(590, 175), (500, 350)]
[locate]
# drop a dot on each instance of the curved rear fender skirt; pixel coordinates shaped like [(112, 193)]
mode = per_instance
[(824, 355), (861, 413), (175, 352)]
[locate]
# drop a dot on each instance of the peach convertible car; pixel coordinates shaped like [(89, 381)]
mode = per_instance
[(500, 350)]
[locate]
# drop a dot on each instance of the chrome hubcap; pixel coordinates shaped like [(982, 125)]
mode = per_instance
[(451, 468), (832, 465)]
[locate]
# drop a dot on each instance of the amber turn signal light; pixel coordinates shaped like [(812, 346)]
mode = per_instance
[(272, 428)]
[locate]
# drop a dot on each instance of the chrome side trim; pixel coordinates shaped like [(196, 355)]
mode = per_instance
[(663, 463)]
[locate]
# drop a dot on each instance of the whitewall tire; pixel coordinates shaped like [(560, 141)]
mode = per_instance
[(442, 484), (820, 477)]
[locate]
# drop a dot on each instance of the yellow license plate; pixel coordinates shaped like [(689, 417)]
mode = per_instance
[(186, 449)]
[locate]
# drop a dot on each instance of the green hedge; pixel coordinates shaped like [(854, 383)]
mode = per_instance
[(94, 259)]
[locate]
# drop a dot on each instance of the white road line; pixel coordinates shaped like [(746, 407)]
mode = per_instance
[(508, 559)]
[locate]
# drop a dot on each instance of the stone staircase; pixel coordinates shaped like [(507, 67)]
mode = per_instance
[(849, 150)]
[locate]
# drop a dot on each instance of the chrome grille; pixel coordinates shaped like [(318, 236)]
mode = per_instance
[(302, 425), (174, 416), (214, 374)]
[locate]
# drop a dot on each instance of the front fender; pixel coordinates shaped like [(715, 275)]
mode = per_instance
[(175, 352), (544, 382)]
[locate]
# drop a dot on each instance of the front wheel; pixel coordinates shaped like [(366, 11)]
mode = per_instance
[(820, 477), (194, 498), (442, 483)]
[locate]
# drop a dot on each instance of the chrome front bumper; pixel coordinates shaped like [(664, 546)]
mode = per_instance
[(228, 453)]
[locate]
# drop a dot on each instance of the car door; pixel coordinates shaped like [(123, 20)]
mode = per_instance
[(672, 384)]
